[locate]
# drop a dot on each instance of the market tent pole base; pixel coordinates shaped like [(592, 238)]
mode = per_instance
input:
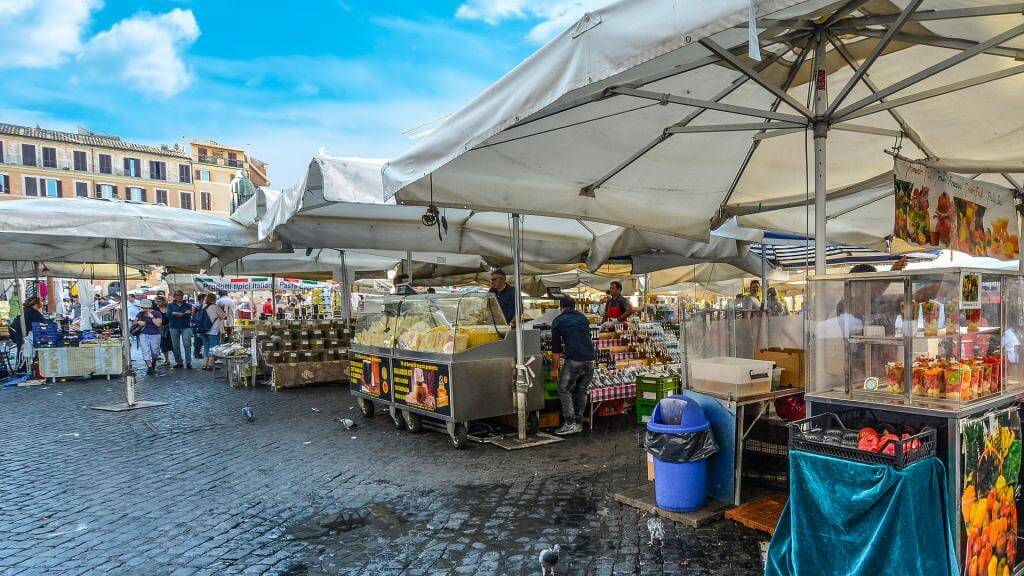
[(511, 440), (124, 406)]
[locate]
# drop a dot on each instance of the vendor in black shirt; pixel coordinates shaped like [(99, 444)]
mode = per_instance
[(505, 294), (617, 308), (570, 335)]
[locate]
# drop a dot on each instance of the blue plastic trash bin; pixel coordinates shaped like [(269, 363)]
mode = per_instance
[(680, 486)]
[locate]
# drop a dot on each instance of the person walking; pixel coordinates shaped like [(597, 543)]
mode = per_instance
[(179, 320), (160, 303), (149, 339), (570, 336), (198, 339), (212, 326)]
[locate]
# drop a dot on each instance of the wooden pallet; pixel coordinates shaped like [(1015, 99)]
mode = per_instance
[(762, 514)]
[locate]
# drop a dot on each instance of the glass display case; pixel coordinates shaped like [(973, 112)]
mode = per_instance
[(375, 322), (430, 323), (941, 339)]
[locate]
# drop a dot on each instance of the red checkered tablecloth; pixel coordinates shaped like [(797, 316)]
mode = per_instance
[(606, 393)]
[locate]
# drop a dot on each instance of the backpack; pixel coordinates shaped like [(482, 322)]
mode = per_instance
[(201, 321)]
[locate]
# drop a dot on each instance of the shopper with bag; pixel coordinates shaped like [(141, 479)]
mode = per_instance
[(147, 325), (211, 325)]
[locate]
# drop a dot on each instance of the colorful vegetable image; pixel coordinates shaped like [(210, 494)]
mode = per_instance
[(988, 502)]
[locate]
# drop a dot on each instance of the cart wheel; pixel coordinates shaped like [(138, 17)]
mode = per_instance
[(397, 420), (533, 422), (366, 408), (459, 436), (413, 422)]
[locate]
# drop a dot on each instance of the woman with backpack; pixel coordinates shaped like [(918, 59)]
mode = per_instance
[(211, 325)]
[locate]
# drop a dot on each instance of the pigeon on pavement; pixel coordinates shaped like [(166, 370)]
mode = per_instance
[(348, 424), (249, 417), (656, 528), (548, 560)]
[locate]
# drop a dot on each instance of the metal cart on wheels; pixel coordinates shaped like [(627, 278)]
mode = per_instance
[(438, 361)]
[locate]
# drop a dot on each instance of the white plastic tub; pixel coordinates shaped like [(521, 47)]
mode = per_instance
[(732, 376)]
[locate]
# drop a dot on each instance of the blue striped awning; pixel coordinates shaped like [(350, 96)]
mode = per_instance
[(794, 251)]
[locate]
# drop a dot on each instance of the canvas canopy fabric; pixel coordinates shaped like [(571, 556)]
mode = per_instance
[(789, 251), (649, 114), (70, 270), (84, 229), (323, 262), (317, 213)]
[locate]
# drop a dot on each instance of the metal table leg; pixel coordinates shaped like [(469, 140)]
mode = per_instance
[(740, 412)]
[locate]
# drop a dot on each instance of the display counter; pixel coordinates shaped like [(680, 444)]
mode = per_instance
[(295, 352), (444, 357), (89, 358), (938, 349)]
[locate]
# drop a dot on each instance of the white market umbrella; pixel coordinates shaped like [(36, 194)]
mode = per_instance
[(70, 270), (318, 213), (650, 114)]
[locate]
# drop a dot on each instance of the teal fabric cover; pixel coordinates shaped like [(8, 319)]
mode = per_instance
[(846, 518)]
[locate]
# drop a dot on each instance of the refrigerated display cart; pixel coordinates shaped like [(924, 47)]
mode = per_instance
[(438, 361), (937, 349)]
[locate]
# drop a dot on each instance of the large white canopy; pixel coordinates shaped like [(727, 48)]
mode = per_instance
[(315, 213), (84, 230), (650, 114), (327, 262), (69, 270)]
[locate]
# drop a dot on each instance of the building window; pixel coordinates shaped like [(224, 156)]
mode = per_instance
[(233, 160), (133, 167), (80, 161), (1, 151), (136, 194), (106, 166), (204, 175), (28, 154), (186, 200), (161, 197), (106, 191), (49, 157), (31, 186), (157, 170), (205, 202), (51, 187), (184, 173), (82, 189), (5, 184)]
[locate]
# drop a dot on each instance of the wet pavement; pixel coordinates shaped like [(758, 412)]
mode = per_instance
[(192, 488)]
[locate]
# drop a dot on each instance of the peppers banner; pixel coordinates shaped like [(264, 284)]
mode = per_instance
[(246, 283), (936, 209)]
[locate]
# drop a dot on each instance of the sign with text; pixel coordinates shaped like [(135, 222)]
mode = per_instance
[(422, 385), (936, 209), (370, 375), (247, 283)]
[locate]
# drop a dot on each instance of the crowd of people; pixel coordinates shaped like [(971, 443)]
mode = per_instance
[(182, 328)]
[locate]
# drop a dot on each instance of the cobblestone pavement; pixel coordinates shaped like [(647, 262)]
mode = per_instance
[(191, 488)]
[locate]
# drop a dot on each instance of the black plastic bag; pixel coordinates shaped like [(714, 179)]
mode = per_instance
[(686, 447)]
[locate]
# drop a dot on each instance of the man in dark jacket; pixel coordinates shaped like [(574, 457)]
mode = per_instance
[(570, 336)]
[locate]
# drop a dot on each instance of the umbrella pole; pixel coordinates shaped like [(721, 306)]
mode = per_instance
[(522, 381), (820, 215), (273, 294), (126, 340), (346, 290), (130, 402)]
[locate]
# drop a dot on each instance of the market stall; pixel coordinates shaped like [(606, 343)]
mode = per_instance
[(446, 360), (913, 351)]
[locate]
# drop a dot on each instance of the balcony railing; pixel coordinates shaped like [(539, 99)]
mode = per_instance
[(235, 163), (69, 167)]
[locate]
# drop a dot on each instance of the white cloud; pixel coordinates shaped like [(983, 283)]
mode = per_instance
[(145, 52), (554, 15), (42, 33)]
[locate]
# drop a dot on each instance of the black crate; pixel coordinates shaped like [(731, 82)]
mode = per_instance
[(902, 456), (765, 471)]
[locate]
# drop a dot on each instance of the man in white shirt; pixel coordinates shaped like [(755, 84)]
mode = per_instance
[(133, 305), (228, 305)]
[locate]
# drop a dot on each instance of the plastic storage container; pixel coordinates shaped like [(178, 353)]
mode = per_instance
[(733, 376), (680, 486)]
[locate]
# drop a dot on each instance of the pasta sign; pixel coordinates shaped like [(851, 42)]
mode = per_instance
[(936, 209)]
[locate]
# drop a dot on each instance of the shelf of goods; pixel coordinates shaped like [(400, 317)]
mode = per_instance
[(297, 352), (938, 350), (446, 356)]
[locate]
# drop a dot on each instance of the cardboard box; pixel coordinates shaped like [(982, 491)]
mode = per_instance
[(791, 360)]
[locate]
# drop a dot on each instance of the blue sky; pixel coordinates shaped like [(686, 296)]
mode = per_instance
[(282, 79)]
